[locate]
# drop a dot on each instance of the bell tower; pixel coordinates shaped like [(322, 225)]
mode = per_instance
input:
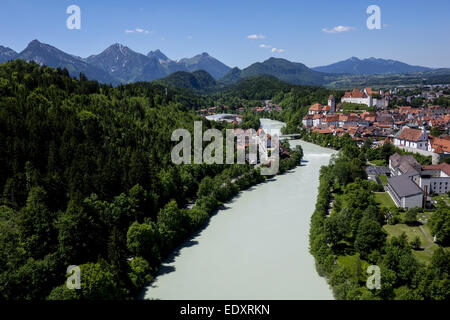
[(332, 104)]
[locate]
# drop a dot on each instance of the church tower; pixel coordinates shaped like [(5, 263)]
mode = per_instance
[(332, 104)]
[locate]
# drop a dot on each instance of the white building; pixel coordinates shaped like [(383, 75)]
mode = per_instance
[(225, 117), (412, 138), (411, 183), (435, 179), (365, 97), (317, 112), (405, 193), (403, 185)]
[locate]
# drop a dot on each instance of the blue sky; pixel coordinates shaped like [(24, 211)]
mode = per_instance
[(415, 32)]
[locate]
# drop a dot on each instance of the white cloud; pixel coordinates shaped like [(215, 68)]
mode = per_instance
[(273, 49), (338, 29), (189, 37), (139, 30), (256, 36)]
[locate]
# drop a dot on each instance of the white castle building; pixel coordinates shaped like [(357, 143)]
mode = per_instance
[(366, 97)]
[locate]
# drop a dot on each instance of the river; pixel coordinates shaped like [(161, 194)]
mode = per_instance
[(257, 247)]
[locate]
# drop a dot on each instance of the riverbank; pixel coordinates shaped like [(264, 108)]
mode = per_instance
[(352, 236)]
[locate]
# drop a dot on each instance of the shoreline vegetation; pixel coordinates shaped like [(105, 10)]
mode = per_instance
[(86, 179), (348, 232), (174, 226)]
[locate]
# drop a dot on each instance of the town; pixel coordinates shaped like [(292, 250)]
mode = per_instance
[(420, 127)]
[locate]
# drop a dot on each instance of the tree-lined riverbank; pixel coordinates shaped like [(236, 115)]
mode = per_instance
[(256, 247)]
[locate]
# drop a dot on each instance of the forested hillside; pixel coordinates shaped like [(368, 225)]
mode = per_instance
[(86, 179), (79, 162), (198, 81)]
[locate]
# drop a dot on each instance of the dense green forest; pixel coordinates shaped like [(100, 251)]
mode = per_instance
[(86, 179), (347, 236)]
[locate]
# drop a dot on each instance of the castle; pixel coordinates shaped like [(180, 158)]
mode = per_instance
[(368, 97)]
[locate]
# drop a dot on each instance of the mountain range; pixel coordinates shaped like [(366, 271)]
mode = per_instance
[(44, 54), (119, 64), (370, 66)]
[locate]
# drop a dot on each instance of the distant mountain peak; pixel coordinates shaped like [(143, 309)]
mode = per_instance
[(126, 64), (370, 66), (206, 62), (45, 54), (6, 54), (35, 42), (117, 47), (285, 70), (157, 54)]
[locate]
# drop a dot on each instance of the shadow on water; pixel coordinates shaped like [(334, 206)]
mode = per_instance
[(166, 267)]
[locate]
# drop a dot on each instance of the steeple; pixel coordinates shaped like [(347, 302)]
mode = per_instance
[(332, 103)]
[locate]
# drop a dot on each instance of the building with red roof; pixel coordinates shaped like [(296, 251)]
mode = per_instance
[(412, 138), (366, 97)]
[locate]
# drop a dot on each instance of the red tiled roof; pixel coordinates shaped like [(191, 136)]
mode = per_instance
[(445, 167), (325, 131), (440, 144), (410, 134), (316, 107), (354, 94), (317, 116), (331, 118)]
